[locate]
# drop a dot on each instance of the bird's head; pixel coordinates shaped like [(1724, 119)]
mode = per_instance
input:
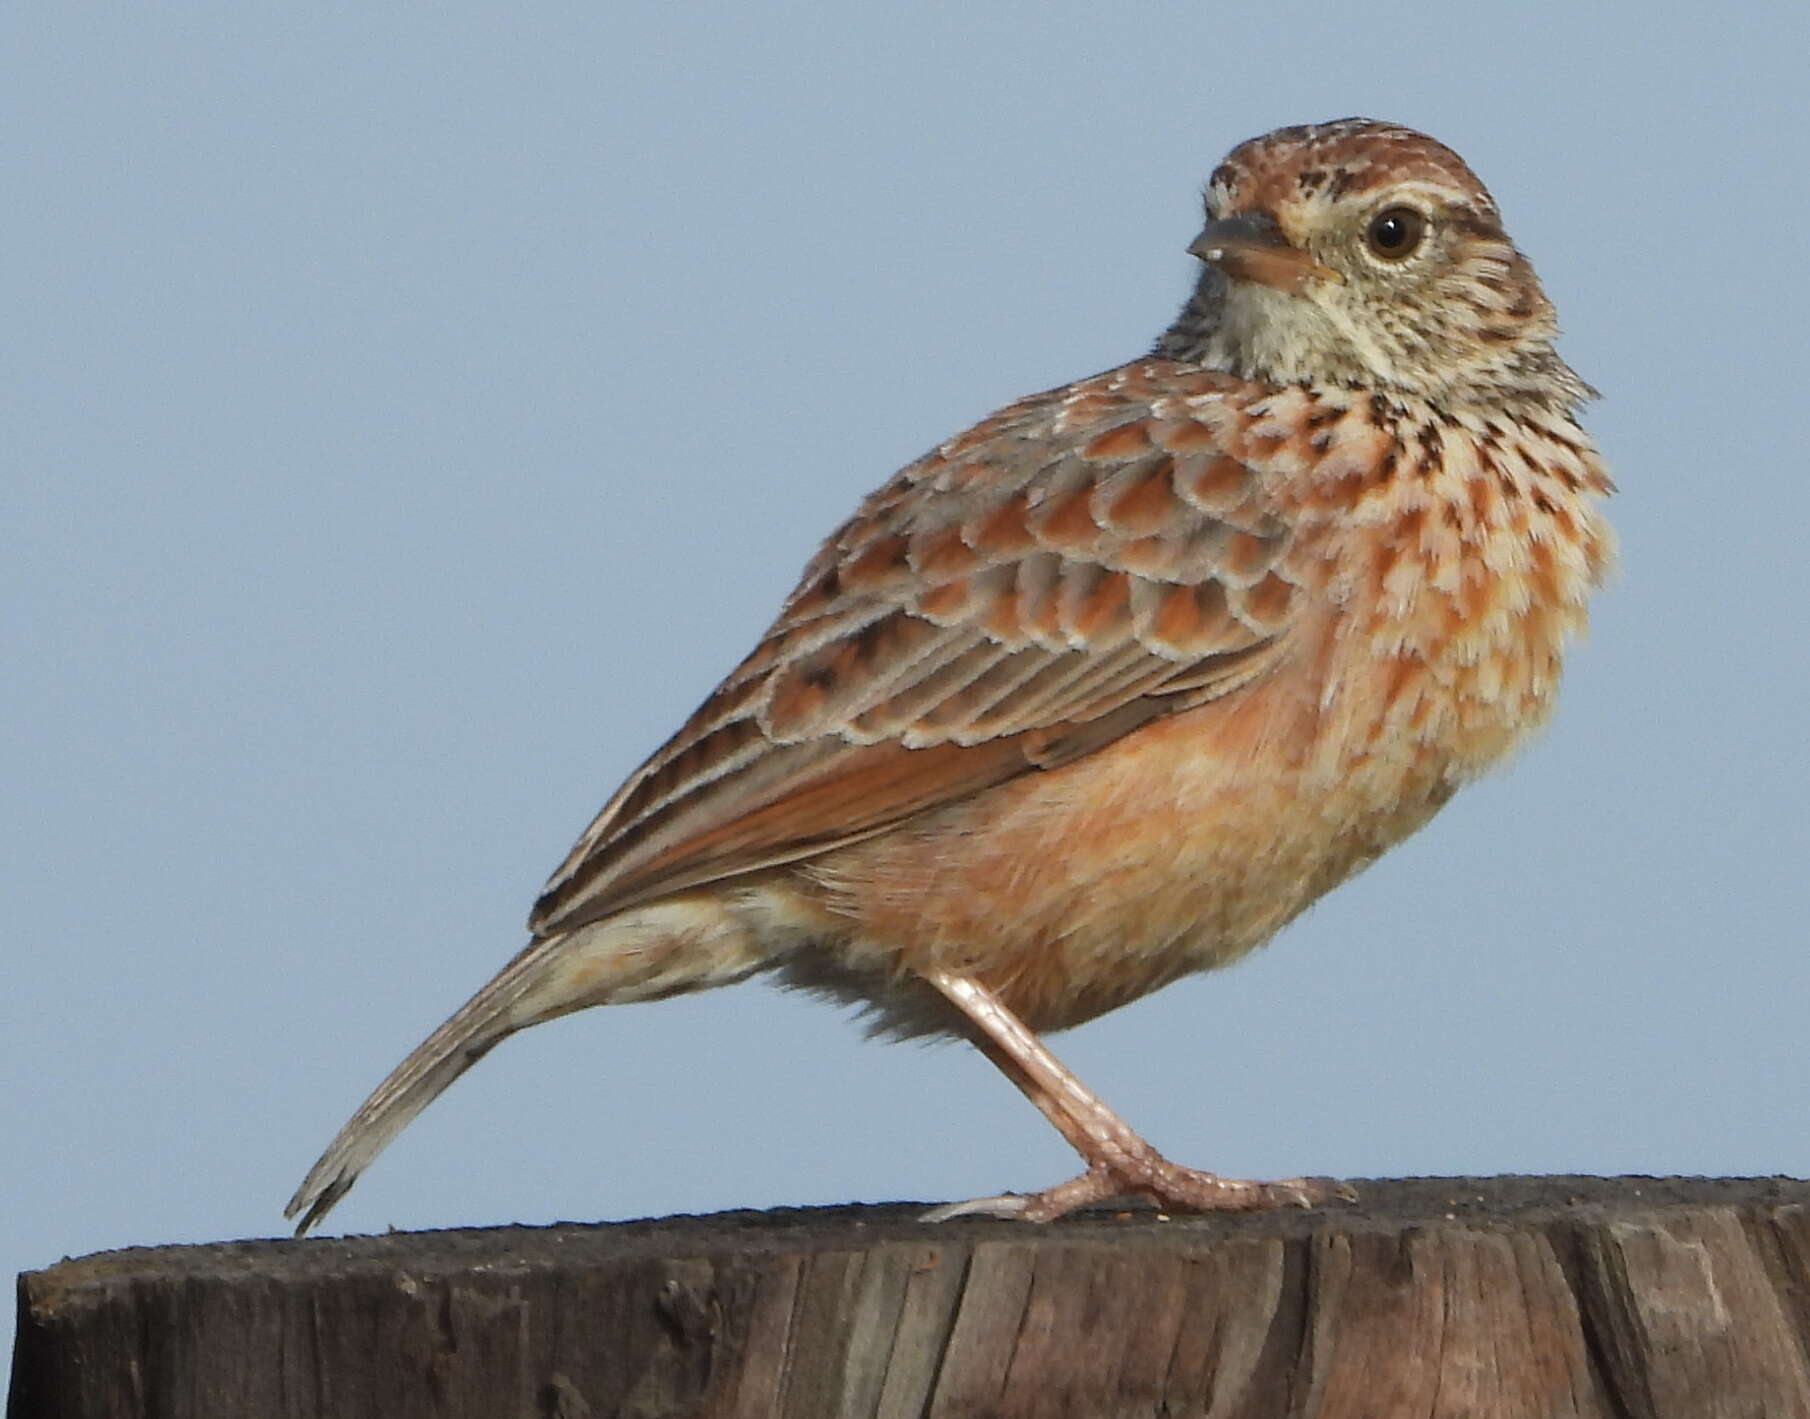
[(1365, 254)]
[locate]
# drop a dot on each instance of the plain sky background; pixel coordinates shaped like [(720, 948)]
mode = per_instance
[(410, 411)]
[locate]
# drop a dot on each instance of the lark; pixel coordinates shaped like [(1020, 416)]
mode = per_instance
[(1109, 688)]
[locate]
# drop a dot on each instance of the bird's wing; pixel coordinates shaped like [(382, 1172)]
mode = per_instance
[(1075, 566)]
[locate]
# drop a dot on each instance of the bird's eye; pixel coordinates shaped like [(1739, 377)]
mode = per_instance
[(1395, 233)]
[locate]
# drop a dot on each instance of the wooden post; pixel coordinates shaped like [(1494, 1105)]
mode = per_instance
[(1524, 1298)]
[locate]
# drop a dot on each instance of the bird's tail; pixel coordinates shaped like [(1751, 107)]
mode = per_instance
[(666, 949), (480, 1024)]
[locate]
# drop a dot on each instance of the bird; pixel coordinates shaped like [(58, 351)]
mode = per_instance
[(1107, 689)]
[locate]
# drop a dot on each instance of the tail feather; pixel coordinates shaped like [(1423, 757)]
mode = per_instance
[(651, 952), (483, 1022)]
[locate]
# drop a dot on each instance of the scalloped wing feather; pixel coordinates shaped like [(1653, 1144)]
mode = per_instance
[(1083, 562)]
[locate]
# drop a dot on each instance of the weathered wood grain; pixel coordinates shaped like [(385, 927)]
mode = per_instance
[(1546, 1298)]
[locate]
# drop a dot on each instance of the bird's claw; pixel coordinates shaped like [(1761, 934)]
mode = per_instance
[(1169, 1185)]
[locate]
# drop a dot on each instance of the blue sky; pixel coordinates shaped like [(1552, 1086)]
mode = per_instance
[(411, 411)]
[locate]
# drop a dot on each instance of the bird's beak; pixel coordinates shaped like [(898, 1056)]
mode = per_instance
[(1251, 247)]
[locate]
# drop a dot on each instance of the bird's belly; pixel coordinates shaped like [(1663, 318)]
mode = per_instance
[(1176, 850)]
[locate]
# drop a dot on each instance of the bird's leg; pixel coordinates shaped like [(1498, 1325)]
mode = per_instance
[(1119, 1162)]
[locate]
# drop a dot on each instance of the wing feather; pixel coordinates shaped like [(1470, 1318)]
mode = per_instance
[(1071, 569)]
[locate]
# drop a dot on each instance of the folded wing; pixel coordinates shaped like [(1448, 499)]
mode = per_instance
[(1081, 563)]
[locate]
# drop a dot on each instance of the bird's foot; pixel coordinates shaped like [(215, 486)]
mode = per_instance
[(1170, 1186)]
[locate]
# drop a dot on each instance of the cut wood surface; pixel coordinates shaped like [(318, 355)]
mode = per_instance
[(1461, 1298)]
